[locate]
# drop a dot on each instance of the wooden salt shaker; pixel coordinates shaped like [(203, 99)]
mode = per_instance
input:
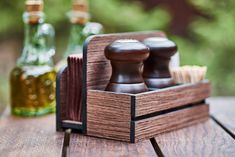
[(127, 58), (156, 67)]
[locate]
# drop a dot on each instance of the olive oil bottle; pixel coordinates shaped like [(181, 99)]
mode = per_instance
[(32, 81), (81, 28)]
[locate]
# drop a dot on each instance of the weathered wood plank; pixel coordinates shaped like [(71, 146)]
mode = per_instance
[(94, 147), (5, 113), (2, 109), (27, 137), (202, 140), (223, 111)]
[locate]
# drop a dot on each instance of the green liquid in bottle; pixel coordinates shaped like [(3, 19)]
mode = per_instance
[(79, 32)]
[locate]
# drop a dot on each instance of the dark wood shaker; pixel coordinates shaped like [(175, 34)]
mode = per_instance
[(127, 58), (156, 68)]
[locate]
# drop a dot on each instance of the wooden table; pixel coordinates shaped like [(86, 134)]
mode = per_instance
[(37, 137)]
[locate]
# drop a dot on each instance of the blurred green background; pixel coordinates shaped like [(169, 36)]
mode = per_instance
[(204, 31)]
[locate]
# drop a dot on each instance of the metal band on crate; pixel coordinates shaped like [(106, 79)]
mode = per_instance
[(133, 101), (132, 130)]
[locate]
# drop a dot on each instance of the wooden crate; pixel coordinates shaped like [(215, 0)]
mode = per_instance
[(124, 117)]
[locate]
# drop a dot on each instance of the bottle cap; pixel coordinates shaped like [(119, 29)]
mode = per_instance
[(80, 5), (34, 14), (79, 13), (34, 5)]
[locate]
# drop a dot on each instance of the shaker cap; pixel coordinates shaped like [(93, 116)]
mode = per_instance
[(161, 46), (127, 50)]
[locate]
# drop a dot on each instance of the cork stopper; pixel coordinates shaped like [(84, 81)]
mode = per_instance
[(34, 10), (80, 5), (79, 13), (34, 5)]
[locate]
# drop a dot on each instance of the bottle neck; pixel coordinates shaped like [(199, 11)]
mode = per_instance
[(38, 44), (31, 31), (76, 40), (78, 35)]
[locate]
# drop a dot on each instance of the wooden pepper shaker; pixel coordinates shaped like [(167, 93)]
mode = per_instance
[(127, 58), (156, 68)]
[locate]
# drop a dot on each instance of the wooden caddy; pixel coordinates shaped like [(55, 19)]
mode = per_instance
[(119, 116)]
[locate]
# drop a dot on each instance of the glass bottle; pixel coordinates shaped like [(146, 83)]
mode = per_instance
[(81, 28), (32, 81)]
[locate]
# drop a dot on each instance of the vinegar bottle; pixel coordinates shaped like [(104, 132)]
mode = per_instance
[(81, 28), (32, 81)]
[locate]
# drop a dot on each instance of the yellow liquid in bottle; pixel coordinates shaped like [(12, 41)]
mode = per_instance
[(32, 90)]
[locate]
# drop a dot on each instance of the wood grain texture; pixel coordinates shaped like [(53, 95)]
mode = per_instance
[(99, 70), (223, 110), (61, 95), (202, 140), (74, 85), (69, 96), (95, 147), (27, 137), (171, 97), (147, 128), (108, 115)]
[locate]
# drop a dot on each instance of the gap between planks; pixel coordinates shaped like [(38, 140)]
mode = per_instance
[(157, 148), (223, 113), (222, 126), (66, 145), (86, 146)]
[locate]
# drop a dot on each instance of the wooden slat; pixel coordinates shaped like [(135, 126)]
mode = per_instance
[(171, 97), (30, 137), (147, 128), (74, 85), (202, 140), (95, 147), (108, 115), (61, 96), (223, 110)]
